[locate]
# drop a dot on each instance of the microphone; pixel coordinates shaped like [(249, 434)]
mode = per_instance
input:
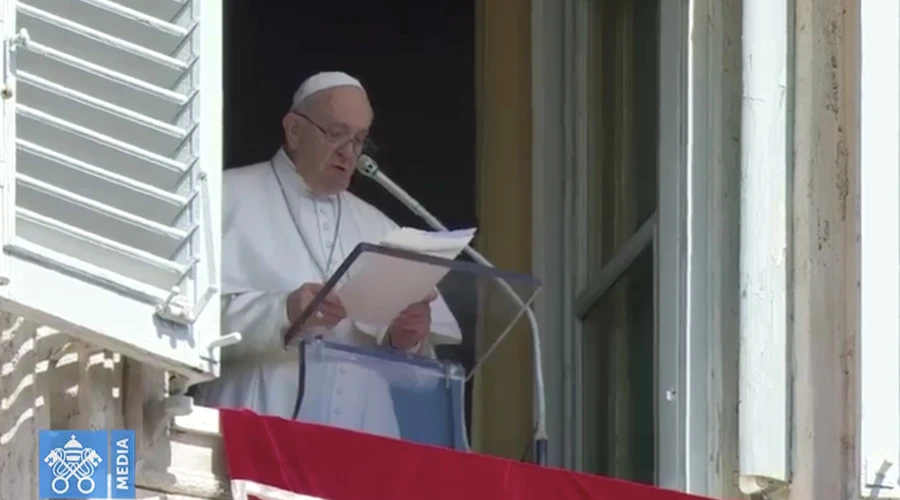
[(369, 168)]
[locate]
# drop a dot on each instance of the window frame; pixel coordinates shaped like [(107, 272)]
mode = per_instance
[(660, 231), (703, 461), (702, 419)]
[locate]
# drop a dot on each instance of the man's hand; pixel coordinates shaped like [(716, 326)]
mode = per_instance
[(329, 312), (412, 325)]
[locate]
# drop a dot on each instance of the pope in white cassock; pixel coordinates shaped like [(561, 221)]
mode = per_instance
[(289, 222)]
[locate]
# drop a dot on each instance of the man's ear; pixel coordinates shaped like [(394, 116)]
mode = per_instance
[(291, 131)]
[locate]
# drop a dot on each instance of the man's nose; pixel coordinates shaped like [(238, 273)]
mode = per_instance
[(347, 150)]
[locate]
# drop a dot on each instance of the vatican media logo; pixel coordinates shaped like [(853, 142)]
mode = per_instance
[(86, 464)]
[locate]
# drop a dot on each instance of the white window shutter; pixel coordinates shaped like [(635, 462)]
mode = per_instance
[(112, 175), (880, 248)]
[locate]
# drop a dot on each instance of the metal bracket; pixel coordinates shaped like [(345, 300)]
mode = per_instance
[(881, 475), (176, 306), (448, 374), (10, 47), (226, 340)]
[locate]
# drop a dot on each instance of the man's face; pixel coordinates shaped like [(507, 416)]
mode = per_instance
[(326, 137)]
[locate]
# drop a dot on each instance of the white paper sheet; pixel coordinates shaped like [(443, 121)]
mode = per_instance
[(381, 287)]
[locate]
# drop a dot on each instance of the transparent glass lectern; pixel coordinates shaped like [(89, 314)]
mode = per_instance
[(386, 391)]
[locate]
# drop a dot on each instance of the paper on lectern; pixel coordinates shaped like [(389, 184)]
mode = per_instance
[(381, 287)]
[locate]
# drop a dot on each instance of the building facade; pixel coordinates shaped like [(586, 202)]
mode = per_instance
[(696, 182), (748, 239)]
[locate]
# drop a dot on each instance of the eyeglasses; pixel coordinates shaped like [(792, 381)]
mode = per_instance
[(359, 146)]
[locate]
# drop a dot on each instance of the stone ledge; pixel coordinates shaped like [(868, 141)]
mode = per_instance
[(191, 462)]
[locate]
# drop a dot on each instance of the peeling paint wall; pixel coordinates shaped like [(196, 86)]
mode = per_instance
[(825, 250)]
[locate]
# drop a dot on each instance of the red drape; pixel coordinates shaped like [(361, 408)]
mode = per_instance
[(335, 464)]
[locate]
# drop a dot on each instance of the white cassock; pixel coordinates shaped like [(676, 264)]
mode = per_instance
[(264, 259)]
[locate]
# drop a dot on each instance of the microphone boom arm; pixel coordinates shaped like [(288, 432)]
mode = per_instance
[(370, 169)]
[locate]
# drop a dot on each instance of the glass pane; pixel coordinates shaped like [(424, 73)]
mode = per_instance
[(379, 391), (623, 125), (618, 369), (402, 278), (383, 392)]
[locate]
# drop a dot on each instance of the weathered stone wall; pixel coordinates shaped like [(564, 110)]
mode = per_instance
[(50, 381)]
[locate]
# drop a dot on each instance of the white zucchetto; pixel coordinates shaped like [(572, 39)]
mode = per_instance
[(322, 81)]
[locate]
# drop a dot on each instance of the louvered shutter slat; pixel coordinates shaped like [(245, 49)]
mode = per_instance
[(172, 10), (100, 48), (116, 87), (98, 218), (114, 180), (150, 31), (99, 145), (102, 185), (91, 248), (109, 119)]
